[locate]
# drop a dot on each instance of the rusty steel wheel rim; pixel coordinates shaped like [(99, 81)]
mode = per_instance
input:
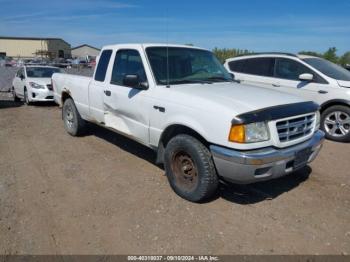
[(184, 170)]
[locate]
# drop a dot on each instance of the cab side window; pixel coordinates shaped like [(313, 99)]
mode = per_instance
[(127, 62), (290, 69), (102, 66)]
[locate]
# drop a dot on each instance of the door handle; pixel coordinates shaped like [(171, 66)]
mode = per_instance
[(276, 85), (159, 108), (322, 92), (107, 92)]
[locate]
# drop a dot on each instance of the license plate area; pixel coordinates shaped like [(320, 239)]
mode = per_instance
[(302, 157)]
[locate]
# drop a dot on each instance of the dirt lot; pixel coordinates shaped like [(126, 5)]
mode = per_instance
[(103, 194)]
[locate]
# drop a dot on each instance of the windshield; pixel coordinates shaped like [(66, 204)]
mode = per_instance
[(179, 65), (42, 72), (328, 68)]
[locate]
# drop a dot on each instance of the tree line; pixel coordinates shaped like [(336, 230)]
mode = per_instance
[(331, 54)]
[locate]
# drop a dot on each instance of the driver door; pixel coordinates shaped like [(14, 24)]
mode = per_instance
[(287, 72), (19, 83), (126, 108)]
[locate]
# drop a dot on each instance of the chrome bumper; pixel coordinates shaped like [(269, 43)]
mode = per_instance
[(244, 167)]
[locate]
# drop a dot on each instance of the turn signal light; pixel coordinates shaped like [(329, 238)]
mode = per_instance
[(237, 134)]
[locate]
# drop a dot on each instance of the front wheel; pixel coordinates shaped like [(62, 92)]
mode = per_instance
[(73, 123), (336, 123), (15, 97), (190, 168), (26, 98)]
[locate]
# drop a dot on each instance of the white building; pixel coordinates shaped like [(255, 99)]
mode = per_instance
[(84, 51)]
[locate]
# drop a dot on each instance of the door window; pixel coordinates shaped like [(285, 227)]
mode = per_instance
[(290, 69), (237, 66), (259, 66), (127, 62), (20, 72)]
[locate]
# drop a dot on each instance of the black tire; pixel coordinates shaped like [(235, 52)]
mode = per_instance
[(26, 98), (73, 123), (335, 122), (190, 168), (15, 97)]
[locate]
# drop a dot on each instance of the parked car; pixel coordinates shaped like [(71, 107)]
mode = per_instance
[(61, 63), (181, 102), (79, 63), (92, 63), (312, 78), (9, 62), (33, 84)]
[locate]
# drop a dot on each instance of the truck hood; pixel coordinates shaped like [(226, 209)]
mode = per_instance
[(40, 81), (344, 83), (237, 98)]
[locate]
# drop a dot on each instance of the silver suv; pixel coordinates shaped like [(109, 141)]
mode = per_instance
[(312, 78)]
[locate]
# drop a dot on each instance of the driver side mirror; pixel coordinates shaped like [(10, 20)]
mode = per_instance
[(134, 82), (21, 77), (306, 77)]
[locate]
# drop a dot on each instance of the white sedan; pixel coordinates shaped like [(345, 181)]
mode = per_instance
[(33, 84)]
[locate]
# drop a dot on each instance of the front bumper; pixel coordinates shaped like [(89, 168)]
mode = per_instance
[(41, 95), (244, 167)]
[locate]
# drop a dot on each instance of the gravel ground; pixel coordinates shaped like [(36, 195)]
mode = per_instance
[(8, 73), (103, 194)]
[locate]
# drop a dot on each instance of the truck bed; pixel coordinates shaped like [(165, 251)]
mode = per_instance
[(75, 86)]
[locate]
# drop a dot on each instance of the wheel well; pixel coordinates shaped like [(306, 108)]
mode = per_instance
[(333, 103), (65, 96), (173, 131)]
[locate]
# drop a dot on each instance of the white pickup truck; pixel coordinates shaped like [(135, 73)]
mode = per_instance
[(205, 127)]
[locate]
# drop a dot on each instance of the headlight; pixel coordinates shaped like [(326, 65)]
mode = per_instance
[(251, 133), (37, 86), (318, 120)]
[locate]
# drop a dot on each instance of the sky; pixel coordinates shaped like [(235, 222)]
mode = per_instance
[(256, 25)]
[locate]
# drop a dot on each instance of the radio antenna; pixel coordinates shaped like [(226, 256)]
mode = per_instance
[(167, 45)]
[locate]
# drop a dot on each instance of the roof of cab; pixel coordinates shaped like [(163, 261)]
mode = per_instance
[(145, 45)]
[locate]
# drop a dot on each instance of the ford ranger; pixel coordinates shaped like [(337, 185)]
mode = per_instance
[(204, 126)]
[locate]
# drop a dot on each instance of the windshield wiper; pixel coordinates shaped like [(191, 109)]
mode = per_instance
[(219, 79), (189, 81)]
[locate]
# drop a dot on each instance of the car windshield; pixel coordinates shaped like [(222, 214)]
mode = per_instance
[(328, 68), (41, 72), (179, 65)]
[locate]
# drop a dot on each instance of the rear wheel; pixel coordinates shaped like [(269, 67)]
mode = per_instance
[(190, 168), (73, 123), (336, 123)]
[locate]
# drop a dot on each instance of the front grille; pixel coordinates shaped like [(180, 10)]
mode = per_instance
[(49, 87), (295, 128)]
